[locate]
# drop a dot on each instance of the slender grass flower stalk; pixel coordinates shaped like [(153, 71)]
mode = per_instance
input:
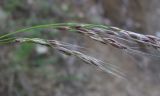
[(88, 59), (107, 35)]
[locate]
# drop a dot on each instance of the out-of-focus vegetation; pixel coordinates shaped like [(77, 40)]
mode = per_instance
[(34, 70)]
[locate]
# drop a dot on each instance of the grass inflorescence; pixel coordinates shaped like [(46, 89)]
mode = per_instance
[(106, 35)]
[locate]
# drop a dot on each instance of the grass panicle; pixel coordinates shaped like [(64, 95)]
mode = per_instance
[(107, 35), (88, 59)]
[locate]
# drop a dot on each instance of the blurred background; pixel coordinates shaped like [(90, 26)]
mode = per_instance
[(34, 70)]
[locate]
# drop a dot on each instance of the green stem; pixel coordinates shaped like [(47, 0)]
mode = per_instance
[(6, 42), (7, 39), (55, 25)]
